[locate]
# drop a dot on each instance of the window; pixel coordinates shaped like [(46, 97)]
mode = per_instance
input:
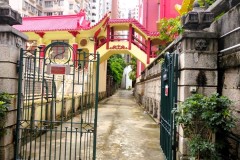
[(39, 13), (70, 6), (32, 9), (25, 5), (93, 7), (93, 14), (60, 13), (93, 20), (48, 4), (61, 3), (48, 13)]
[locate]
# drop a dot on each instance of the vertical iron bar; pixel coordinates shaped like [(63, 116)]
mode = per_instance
[(55, 149), (66, 144), (82, 107), (51, 118), (19, 104), (96, 109), (33, 105), (41, 112), (72, 111), (63, 80), (76, 140)]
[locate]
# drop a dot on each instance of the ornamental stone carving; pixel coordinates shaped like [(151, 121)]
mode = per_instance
[(201, 45)]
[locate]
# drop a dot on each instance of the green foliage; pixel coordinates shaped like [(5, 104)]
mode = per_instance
[(3, 109), (133, 63), (169, 29), (5, 100), (206, 3), (199, 145), (200, 117), (116, 65), (5, 97)]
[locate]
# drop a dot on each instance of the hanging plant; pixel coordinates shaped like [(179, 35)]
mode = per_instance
[(169, 29), (201, 117)]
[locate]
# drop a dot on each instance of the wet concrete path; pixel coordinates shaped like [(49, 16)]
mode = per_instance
[(125, 132)]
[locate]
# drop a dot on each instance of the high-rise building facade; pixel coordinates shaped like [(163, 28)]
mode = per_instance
[(28, 8), (115, 9), (95, 9)]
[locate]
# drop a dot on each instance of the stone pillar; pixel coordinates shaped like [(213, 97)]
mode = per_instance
[(198, 70), (11, 40)]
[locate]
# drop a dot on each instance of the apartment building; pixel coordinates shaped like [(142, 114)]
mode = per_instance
[(96, 9), (29, 8), (60, 7)]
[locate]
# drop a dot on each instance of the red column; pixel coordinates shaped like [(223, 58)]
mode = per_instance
[(148, 50), (42, 54), (112, 34), (130, 35), (74, 55), (108, 37)]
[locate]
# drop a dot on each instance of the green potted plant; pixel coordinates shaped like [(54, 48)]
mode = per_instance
[(201, 117)]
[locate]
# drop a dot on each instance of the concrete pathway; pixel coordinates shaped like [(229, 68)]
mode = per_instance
[(125, 132)]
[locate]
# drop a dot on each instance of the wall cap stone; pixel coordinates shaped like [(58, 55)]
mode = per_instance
[(7, 28)]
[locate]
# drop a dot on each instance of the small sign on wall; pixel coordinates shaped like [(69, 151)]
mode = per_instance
[(58, 69)]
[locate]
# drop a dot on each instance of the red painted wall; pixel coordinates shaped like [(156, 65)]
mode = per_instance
[(150, 12), (167, 9)]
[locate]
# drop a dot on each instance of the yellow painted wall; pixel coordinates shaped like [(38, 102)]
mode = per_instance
[(102, 76)]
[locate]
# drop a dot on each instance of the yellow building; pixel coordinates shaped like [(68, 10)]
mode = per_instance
[(104, 37)]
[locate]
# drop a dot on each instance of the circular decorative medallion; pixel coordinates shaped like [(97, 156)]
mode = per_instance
[(83, 42), (59, 52)]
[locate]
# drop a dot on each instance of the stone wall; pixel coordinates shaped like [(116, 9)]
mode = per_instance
[(147, 92), (10, 42), (197, 52), (209, 61), (228, 27)]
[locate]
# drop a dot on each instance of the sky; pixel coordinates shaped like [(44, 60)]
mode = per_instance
[(128, 3)]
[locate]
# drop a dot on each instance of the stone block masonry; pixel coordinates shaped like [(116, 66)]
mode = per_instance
[(228, 27), (11, 41), (197, 52)]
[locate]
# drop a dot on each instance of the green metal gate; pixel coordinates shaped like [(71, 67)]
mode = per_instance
[(57, 104), (169, 81)]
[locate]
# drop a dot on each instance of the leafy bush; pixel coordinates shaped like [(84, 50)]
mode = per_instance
[(116, 65), (133, 63), (169, 29), (201, 117)]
